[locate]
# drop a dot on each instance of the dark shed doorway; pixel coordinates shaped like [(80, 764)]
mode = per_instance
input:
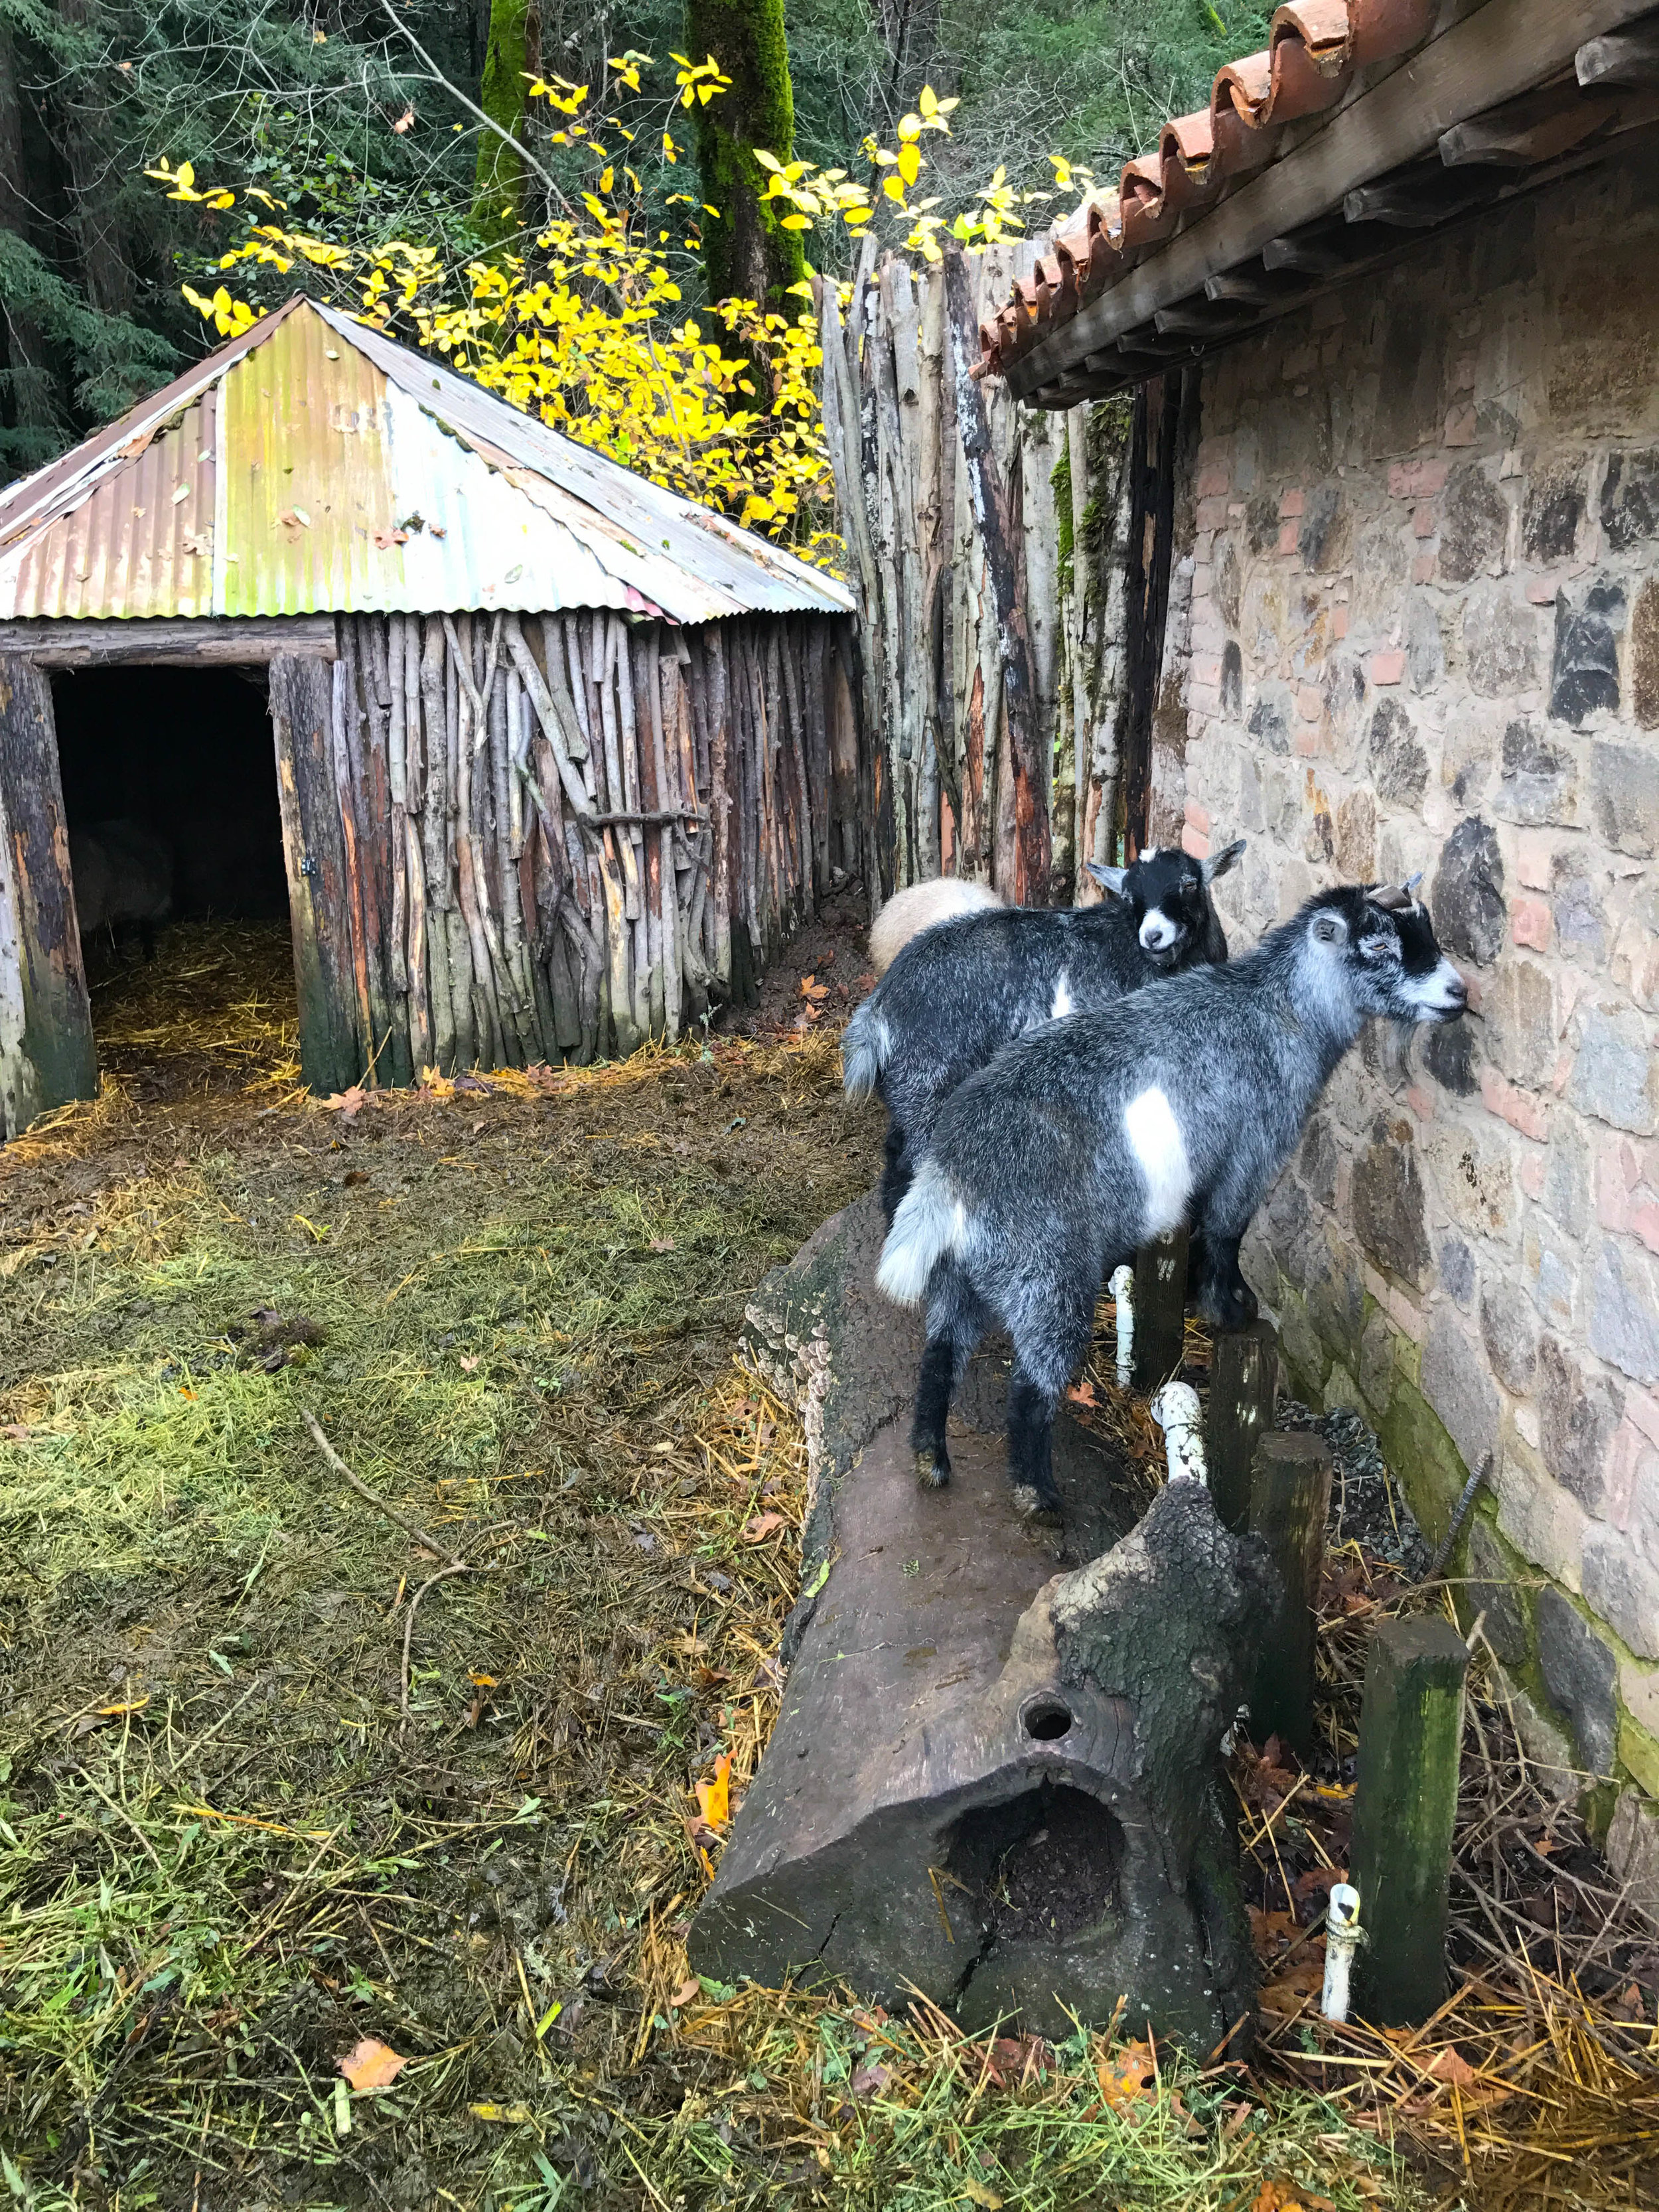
[(175, 834)]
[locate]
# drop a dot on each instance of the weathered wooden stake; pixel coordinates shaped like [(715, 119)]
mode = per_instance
[(1160, 1309), (1289, 1496), (1243, 1374), (1410, 1737)]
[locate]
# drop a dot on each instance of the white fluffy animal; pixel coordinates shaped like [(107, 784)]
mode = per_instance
[(908, 912)]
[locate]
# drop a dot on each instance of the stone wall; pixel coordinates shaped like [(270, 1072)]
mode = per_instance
[(1417, 629)]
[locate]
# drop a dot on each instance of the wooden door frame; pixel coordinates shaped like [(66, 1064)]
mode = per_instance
[(48, 1052)]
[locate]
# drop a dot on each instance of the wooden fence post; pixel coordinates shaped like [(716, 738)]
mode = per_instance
[(1160, 1309), (1243, 1376), (1289, 1497), (1411, 1737)]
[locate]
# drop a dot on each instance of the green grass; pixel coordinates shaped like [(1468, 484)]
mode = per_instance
[(226, 1857)]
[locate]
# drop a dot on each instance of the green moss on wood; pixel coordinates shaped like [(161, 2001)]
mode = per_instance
[(498, 193), (746, 253)]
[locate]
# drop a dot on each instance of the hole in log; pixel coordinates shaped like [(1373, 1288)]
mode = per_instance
[(1040, 1868), (1047, 1717)]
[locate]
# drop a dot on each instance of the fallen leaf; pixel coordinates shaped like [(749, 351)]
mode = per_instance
[(384, 539), (1450, 2065), (1081, 1394), (483, 1681), (468, 1363), (405, 122), (811, 988), (976, 2193), (715, 1798), (663, 1244), (1287, 1992), (762, 1526), (372, 2065), (15, 1432), (514, 2115), (870, 2081), (1128, 2075), (296, 516), (688, 1991)]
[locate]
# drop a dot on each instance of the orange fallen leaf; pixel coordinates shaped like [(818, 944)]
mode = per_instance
[(715, 1798), (811, 988), (1081, 1394), (372, 2065), (762, 1526), (663, 1244), (469, 1361), (689, 1990), (483, 1681), (384, 539), (1450, 2065), (1129, 2076)]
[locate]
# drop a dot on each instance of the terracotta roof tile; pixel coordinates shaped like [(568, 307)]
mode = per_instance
[(1314, 48)]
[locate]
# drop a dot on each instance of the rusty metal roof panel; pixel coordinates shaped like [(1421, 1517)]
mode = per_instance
[(755, 575), (314, 466), (141, 543)]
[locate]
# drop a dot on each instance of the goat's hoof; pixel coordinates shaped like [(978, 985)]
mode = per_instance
[(933, 1469), (1041, 1509)]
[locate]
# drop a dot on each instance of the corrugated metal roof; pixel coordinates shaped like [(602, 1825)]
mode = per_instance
[(315, 466)]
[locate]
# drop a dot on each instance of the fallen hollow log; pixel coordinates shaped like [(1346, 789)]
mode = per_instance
[(990, 1782)]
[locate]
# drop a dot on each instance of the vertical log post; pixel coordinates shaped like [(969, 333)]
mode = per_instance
[(1289, 1497), (1027, 748), (332, 1049), (1160, 1309), (1411, 1735), (1243, 1373), (47, 1055)]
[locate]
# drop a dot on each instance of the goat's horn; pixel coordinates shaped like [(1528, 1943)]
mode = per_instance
[(1412, 881)]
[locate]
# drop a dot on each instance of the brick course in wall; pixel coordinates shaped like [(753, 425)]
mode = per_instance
[(1416, 631)]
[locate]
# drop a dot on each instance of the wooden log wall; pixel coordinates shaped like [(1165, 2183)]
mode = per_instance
[(987, 547), (562, 834)]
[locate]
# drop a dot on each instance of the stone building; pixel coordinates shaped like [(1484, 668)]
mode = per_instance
[(1414, 629)]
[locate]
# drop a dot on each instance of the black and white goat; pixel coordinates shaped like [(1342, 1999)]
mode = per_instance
[(959, 990), (1083, 1140)]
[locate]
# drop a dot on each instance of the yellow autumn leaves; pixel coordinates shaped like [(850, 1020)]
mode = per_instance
[(586, 326)]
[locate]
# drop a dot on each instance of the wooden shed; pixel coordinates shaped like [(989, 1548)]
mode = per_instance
[(558, 754)]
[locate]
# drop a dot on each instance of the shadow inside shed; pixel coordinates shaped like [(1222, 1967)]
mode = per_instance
[(179, 761), (185, 754)]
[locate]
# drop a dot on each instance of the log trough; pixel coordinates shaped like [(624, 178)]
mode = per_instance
[(996, 1776)]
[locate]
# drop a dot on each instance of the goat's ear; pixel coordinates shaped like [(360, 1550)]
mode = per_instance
[(1329, 928), (1224, 859), (1110, 879)]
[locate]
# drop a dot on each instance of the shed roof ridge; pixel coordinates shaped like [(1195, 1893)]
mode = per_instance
[(642, 543)]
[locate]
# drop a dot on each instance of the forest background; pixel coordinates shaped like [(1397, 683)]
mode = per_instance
[(369, 121)]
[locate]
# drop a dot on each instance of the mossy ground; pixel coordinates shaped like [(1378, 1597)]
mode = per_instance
[(225, 1853)]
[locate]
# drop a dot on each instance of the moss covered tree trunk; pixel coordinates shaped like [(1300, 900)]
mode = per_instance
[(514, 48), (746, 254)]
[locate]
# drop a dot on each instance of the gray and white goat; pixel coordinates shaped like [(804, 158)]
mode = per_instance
[(959, 990), (1083, 1140)]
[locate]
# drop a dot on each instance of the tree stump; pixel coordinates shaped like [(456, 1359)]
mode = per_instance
[(991, 1781)]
